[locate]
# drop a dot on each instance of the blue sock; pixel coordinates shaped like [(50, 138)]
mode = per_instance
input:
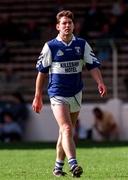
[(72, 163), (59, 165)]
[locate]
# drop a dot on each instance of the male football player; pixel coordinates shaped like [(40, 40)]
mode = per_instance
[(63, 58)]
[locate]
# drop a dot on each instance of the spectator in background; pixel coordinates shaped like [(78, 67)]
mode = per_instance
[(8, 29), (123, 22), (59, 6), (29, 32), (93, 20), (5, 55), (125, 1), (78, 26), (118, 8), (20, 109), (115, 25), (103, 43), (105, 126), (33, 30), (17, 106), (10, 130), (9, 79), (117, 19)]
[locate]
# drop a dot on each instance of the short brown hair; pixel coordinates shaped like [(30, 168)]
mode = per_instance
[(66, 13)]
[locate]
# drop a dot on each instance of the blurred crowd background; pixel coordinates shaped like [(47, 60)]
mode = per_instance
[(26, 24)]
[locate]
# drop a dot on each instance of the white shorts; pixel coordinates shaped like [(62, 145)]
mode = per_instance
[(74, 102)]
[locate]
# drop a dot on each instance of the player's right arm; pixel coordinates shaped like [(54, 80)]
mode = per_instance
[(43, 64), (38, 99)]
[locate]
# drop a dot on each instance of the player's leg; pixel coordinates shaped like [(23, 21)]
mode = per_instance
[(60, 157), (65, 140), (67, 121), (62, 116), (60, 154), (59, 149), (75, 168), (74, 119)]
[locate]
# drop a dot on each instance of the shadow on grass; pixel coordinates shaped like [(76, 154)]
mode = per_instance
[(52, 145)]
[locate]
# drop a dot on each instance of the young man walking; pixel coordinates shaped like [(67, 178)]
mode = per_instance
[(63, 58)]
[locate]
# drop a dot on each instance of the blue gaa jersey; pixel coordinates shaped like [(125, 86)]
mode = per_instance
[(64, 64)]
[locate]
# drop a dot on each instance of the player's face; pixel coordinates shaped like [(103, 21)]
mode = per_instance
[(65, 26)]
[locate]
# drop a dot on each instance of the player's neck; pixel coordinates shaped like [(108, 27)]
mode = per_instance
[(66, 38)]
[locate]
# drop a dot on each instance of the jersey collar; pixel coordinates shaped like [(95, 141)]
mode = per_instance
[(59, 39)]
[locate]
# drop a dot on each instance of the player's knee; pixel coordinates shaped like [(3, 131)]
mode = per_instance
[(67, 130)]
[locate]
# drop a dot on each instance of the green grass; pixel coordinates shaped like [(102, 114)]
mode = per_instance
[(35, 161)]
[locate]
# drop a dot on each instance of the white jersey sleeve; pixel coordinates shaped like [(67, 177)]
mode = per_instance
[(89, 57), (45, 58)]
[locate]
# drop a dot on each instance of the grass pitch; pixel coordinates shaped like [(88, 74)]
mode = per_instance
[(35, 161)]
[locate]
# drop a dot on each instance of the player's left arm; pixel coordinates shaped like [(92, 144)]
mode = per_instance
[(96, 74), (93, 65)]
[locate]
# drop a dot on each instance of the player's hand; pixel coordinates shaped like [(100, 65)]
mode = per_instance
[(102, 89), (37, 104)]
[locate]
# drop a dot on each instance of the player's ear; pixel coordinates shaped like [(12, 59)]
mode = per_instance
[(57, 27)]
